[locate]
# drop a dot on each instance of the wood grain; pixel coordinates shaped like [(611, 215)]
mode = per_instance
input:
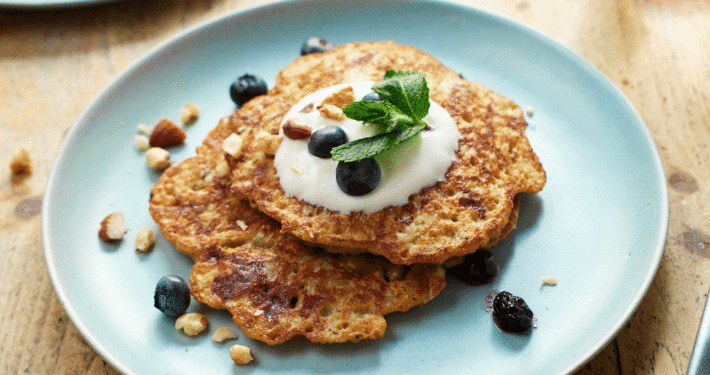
[(54, 62)]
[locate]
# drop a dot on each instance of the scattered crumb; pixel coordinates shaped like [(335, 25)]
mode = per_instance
[(113, 227), (21, 164), (341, 98), (189, 113), (192, 323), (232, 145), (332, 112), (144, 129), (529, 110), (224, 333), (157, 158), (145, 239), (549, 280), (242, 224), (240, 354), (166, 134), (141, 142)]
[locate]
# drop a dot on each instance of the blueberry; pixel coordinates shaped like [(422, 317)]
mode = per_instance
[(322, 141), (358, 177), (511, 313), (476, 269), (172, 296), (372, 97), (315, 45), (247, 87)]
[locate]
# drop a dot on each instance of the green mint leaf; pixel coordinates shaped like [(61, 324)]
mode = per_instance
[(406, 90), (382, 112), (369, 147)]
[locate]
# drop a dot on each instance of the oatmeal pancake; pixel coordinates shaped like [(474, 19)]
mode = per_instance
[(470, 209)]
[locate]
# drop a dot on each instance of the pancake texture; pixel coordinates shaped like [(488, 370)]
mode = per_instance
[(471, 209), (275, 287)]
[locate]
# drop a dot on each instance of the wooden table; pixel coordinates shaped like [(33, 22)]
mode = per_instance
[(53, 62)]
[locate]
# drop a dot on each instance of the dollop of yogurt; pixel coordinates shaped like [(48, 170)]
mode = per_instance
[(406, 169)]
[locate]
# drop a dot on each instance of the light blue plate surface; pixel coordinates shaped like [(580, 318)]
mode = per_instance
[(599, 225)]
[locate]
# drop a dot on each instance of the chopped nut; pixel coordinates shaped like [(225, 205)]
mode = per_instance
[(232, 145), (21, 164), (332, 112), (192, 323), (340, 98), (157, 158), (189, 113), (296, 129), (529, 110), (308, 108), (242, 224), (113, 227), (145, 239), (144, 129), (297, 169), (141, 142), (549, 280), (166, 133), (224, 333), (240, 354)]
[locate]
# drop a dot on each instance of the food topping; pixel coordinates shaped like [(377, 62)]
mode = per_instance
[(192, 324), (296, 129), (315, 45), (247, 87), (157, 158), (145, 239), (141, 142), (415, 163), (113, 227), (166, 134), (172, 296), (189, 113), (511, 313), (332, 112), (223, 333), (240, 354), (549, 280), (21, 164), (358, 177)]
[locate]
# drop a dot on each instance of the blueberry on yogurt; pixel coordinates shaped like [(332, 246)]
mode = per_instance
[(359, 177), (323, 140)]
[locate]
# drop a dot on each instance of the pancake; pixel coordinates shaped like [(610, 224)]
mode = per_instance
[(275, 287), (470, 209)]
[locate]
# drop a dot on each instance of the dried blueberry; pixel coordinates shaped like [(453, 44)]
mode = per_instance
[(247, 87), (476, 269), (323, 140), (511, 313), (315, 45), (372, 97), (172, 296), (358, 177)]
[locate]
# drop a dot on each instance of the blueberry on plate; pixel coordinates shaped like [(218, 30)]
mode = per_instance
[(315, 45), (511, 313), (358, 177), (323, 140), (476, 269), (172, 296), (247, 87), (372, 97)]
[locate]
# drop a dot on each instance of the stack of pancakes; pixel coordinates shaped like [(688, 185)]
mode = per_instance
[(284, 267)]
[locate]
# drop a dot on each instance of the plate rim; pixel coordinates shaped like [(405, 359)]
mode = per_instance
[(94, 105)]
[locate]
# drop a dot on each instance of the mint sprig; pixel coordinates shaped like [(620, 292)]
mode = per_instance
[(405, 102)]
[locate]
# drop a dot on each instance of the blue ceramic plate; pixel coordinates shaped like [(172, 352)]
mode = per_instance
[(599, 226)]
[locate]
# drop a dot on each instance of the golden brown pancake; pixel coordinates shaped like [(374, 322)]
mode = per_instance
[(275, 287), (469, 210)]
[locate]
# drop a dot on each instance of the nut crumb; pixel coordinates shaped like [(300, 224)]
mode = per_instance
[(189, 113), (232, 145), (224, 333), (529, 110), (21, 164), (341, 98), (297, 169), (242, 224), (157, 158), (141, 142), (192, 323), (332, 112), (144, 129), (113, 227), (296, 129), (549, 280), (240, 354), (145, 239)]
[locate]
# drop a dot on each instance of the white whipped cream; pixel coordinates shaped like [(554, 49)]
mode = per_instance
[(406, 169)]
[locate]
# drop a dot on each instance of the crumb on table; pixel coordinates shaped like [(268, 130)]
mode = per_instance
[(21, 164)]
